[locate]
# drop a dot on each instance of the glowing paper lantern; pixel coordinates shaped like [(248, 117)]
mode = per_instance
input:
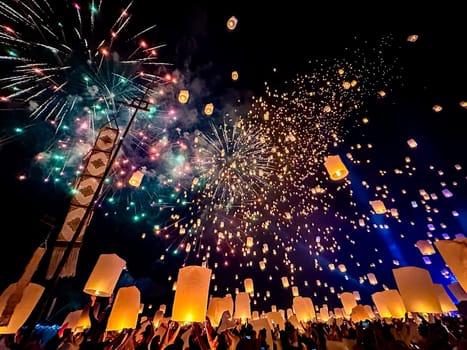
[(370, 312), (285, 282), (105, 275), (445, 301), (183, 96), (425, 247), (335, 167), (295, 292), (31, 295), (381, 304), (303, 308), (378, 206), (232, 23), (215, 310), (372, 278), (249, 242), (416, 289), (248, 283), (234, 75), (454, 254), (348, 302), (412, 143), (359, 314), (342, 268), (77, 320), (125, 309), (191, 296), (208, 109), (276, 318), (136, 178), (242, 306), (324, 314), (458, 292), (394, 303), (412, 38)]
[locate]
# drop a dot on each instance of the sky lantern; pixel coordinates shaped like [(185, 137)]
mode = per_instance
[(242, 306), (359, 313), (416, 289), (412, 143), (249, 242), (412, 38), (303, 308), (285, 282), (342, 268), (191, 296), (381, 304), (77, 320), (136, 178), (394, 303), (425, 247), (444, 299), (232, 23), (335, 167), (183, 96), (31, 295), (458, 292), (248, 283), (348, 302), (378, 206), (234, 75), (105, 275), (295, 292), (372, 278), (125, 309), (454, 254), (208, 109), (275, 317)]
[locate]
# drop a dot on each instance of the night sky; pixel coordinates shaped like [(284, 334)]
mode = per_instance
[(313, 80)]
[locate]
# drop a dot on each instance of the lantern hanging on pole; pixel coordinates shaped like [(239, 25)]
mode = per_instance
[(335, 167), (191, 296)]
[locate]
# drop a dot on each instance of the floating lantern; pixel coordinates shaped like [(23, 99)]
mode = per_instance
[(369, 311), (342, 268), (416, 289), (359, 313), (458, 292), (412, 143), (77, 320), (31, 295), (125, 309), (276, 319), (372, 279), (105, 275), (412, 38), (191, 296), (335, 167), (303, 308), (249, 242), (208, 109), (242, 306), (378, 206), (248, 283), (232, 23), (394, 303), (348, 302), (445, 301), (381, 304), (136, 178), (215, 310), (285, 282), (295, 292), (234, 75), (454, 254), (425, 247), (183, 96)]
